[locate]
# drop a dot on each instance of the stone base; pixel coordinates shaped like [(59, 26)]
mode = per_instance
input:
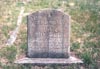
[(44, 61)]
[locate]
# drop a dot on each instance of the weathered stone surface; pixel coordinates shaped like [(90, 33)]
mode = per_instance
[(46, 61), (48, 39), (48, 34)]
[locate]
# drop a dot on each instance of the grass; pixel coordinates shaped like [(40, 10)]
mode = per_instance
[(85, 30)]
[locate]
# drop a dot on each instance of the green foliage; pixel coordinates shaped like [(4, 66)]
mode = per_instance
[(19, 4), (5, 30), (24, 47), (89, 44), (15, 66), (24, 20), (9, 53), (87, 58), (26, 66), (75, 46)]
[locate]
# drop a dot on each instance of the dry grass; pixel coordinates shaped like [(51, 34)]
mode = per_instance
[(85, 30)]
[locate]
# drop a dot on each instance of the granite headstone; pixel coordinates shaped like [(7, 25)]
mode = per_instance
[(48, 34)]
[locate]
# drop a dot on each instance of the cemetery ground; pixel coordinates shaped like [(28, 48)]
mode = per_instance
[(85, 30)]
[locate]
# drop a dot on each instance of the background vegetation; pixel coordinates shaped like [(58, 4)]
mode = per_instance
[(85, 30)]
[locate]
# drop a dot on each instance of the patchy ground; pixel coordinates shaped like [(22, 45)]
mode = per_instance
[(85, 30)]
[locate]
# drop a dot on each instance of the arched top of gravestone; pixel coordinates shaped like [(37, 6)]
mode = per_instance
[(49, 13)]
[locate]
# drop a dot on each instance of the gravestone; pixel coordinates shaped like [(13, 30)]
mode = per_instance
[(48, 34), (48, 38)]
